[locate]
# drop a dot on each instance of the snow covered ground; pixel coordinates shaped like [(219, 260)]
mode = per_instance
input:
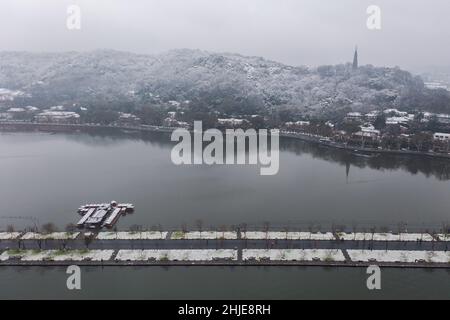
[(204, 235), (147, 235), (176, 255), (386, 236), (92, 255), (55, 255), (261, 235), (9, 235), (293, 255), (444, 237), (399, 256), (50, 236)]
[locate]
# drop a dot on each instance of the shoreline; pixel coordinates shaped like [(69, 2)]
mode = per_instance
[(52, 127), (347, 265)]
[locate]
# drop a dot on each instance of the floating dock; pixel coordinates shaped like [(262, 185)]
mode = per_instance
[(97, 216)]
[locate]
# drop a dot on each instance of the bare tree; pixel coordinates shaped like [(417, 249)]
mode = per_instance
[(286, 231), (87, 240), (354, 229), (266, 230), (310, 229), (385, 230), (135, 228), (244, 230), (49, 228), (372, 231), (71, 227), (199, 224)]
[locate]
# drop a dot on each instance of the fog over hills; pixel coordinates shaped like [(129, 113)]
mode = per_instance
[(227, 82)]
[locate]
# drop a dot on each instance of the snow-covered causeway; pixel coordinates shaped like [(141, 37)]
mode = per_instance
[(146, 235), (176, 255), (293, 255), (55, 255), (399, 256)]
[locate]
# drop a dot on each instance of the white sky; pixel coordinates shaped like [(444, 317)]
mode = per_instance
[(415, 33)]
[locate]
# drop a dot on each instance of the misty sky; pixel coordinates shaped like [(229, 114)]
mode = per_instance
[(415, 33)]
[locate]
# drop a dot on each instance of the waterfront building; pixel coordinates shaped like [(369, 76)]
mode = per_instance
[(297, 124), (128, 119), (173, 123), (233, 122), (60, 117), (368, 132)]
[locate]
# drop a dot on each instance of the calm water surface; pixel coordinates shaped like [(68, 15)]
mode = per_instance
[(48, 176)]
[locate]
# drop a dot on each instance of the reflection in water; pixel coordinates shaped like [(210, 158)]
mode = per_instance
[(107, 136), (439, 168)]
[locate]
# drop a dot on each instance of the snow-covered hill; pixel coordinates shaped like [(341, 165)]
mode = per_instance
[(215, 79)]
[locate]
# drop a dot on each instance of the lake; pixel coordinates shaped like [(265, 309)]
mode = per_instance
[(48, 176)]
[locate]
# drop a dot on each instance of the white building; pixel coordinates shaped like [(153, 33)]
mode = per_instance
[(16, 110), (368, 132), (31, 109), (57, 117), (436, 85), (372, 115), (395, 112), (173, 123), (440, 117), (354, 116), (232, 121), (172, 114), (442, 136), (128, 119), (443, 118), (297, 124), (57, 108), (174, 103), (398, 120)]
